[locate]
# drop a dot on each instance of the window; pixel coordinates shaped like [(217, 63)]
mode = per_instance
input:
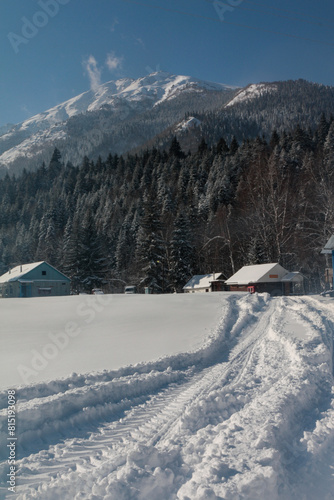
[(43, 273)]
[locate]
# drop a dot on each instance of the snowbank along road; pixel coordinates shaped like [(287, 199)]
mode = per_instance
[(249, 415)]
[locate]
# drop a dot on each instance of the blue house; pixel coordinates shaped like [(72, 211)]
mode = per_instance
[(38, 279)]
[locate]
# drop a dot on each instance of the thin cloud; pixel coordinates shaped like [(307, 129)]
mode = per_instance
[(113, 62), (26, 110), (114, 24), (93, 72), (140, 42)]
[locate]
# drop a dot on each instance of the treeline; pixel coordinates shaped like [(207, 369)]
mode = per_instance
[(157, 218)]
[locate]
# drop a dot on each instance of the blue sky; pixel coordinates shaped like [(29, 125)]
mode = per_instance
[(52, 50)]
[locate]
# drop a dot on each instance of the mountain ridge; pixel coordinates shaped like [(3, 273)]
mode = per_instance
[(128, 114), (123, 88), (124, 98)]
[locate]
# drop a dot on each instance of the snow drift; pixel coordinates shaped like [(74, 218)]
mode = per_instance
[(247, 413)]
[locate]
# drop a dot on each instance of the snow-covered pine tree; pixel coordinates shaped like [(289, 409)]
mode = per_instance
[(125, 246), (92, 260), (71, 254), (151, 251), (181, 254)]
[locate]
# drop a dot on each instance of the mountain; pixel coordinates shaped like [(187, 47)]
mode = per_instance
[(6, 128), (117, 117), (256, 110), (129, 115), (252, 91)]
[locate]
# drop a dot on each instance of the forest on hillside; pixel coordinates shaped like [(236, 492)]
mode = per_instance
[(158, 217)]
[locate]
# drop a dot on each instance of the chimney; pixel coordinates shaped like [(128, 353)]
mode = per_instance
[(21, 268)]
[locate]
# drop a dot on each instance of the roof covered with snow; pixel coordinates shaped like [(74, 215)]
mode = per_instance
[(201, 281), (259, 273), (19, 271)]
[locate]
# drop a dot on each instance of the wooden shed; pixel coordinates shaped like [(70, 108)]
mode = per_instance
[(38, 279), (270, 278)]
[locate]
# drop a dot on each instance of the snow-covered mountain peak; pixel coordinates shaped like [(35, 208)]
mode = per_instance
[(252, 91), (124, 99), (156, 87), (188, 123)]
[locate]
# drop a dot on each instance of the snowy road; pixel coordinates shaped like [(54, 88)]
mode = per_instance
[(248, 415)]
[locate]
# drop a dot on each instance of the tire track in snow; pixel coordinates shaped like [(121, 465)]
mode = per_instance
[(270, 462), (155, 422), (47, 415), (170, 405), (306, 332), (318, 317), (318, 438), (327, 317)]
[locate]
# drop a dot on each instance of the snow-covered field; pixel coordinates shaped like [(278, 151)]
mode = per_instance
[(46, 338), (192, 397)]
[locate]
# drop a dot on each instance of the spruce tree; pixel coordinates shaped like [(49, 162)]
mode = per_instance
[(92, 260), (175, 149), (181, 254), (222, 147), (151, 252), (125, 247), (234, 146)]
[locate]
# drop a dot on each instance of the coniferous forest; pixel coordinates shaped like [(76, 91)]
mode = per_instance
[(158, 217)]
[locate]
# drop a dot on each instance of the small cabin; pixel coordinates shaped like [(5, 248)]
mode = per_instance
[(38, 279), (205, 283), (270, 278)]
